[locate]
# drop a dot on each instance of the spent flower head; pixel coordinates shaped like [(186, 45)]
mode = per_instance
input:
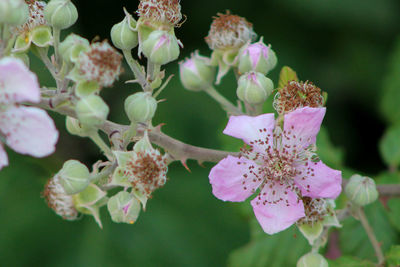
[(100, 63), (297, 95), (58, 200), (163, 11), (229, 31), (280, 162)]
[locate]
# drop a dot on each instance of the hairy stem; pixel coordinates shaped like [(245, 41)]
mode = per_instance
[(371, 235), (136, 69), (225, 103)]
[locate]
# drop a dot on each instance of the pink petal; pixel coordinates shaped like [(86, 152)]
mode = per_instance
[(302, 125), (232, 180), (319, 181), (3, 157), (29, 130), (17, 82), (277, 216), (255, 131)]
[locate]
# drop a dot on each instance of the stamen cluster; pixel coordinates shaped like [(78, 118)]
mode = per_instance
[(315, 210), (58, 200), (165, 11), (297, 95), (101, 63), (36, 16), (229, 31), (147, 170)]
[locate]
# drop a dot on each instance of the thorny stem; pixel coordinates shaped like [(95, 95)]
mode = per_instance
[(177, 149), (225, 103), (371, 235)]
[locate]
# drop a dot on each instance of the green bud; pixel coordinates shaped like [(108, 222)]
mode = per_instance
[(140, 107), (312, 260), (123, 34), (143, 144), (123, 208), (196, 73), (76, 128), (361, 190), (256, 57), (254, 88), (13, 12), (71, 47), (74, 177), (161, 47), (92, 111), (60, 14), (41, 36)]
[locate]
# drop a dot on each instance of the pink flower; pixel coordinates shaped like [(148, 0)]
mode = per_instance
[(27, 130), (280, 162)]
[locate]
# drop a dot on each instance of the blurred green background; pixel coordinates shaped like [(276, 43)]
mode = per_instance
[(344, 47)]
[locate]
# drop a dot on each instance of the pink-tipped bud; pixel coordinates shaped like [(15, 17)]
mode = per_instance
[(229, 31), (254, 88), (161, 47), (196, 73), (257, 57)]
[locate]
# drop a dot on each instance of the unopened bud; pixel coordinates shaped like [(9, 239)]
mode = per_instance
[(312, 260), (140, 107), (254, 87), (196, 72), (74, 177), (161, 47), (92, 110), (257, 57), (61, 14), (13, 12), (123, 34), (123, 208), (361, 190), (72, 46)]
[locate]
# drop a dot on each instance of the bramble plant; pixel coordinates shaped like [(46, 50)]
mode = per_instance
[(280, 166)]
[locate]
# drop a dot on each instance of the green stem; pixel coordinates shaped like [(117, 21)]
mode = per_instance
[(94, 178), (101, 144), (56, 38), (136, 69), (371, 235), (225, 103), (152, 71)]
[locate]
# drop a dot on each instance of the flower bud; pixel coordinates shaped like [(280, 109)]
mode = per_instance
[(257, 57), (161, 47), (72, 46), (312, 260), (196, 72), (74, 177), (254, 87), (140, 107), (123, 208), (13, 12), (61, 14), (76, 128), (92, 111), (361, 190), (123, 35)]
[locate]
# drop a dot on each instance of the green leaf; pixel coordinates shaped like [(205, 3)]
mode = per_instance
[(347, 261), (270, 250), (393, 256), (389, 146), (354, 240), (328, 153), (390, 107), (286, 75)]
